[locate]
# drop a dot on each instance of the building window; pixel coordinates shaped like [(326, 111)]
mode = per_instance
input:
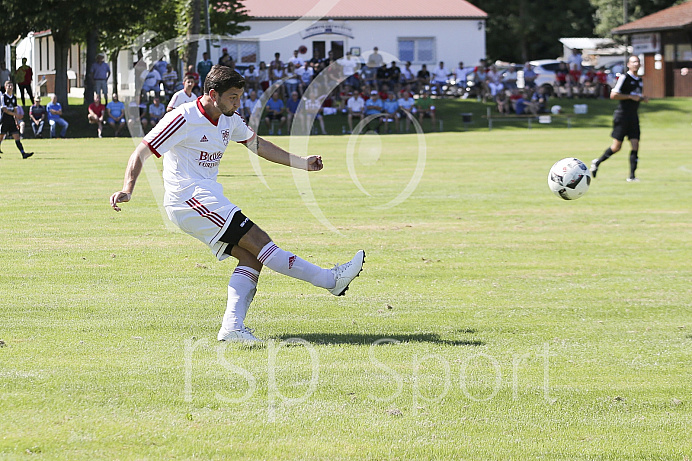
[(243, 53), (418, 50)]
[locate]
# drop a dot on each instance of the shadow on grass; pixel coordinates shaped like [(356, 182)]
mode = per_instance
[(355, 338)]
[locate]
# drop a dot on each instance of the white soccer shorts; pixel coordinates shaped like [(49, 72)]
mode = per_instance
[(206, 217)]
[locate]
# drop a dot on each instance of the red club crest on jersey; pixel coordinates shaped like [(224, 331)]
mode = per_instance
[(225, 136)]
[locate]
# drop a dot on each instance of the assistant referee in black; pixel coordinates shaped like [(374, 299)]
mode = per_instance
[(628, 90)]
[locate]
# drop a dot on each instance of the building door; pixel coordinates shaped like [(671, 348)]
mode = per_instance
[(318, 50), (654, 79), (338, 49)]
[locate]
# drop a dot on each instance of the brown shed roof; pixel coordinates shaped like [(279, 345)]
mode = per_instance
[(675, 17)]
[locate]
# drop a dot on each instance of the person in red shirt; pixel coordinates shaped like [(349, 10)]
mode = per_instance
[(574, 80), (96, 112), (191, 72), (24, 76)]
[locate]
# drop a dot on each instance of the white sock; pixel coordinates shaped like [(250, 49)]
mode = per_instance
[(241, 289), (289, 264)]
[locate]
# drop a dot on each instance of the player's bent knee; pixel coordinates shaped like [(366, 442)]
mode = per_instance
[(254, 240), (245, 258)]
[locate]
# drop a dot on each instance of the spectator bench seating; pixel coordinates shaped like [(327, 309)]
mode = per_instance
[(530, 118)]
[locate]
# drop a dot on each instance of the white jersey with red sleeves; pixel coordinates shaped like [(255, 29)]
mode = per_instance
[(192, 146)]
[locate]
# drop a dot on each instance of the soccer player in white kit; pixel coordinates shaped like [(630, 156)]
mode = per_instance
[(192, 140)]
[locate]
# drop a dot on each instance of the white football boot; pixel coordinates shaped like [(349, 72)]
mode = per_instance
[(345, 273), (243, 335)]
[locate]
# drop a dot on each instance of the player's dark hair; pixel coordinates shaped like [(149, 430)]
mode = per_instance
[(221, 79)]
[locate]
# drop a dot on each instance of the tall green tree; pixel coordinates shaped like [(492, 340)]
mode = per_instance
[(610, 14), (522, 30)]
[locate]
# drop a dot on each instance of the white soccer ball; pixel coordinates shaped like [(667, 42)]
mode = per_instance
[(569, 178)]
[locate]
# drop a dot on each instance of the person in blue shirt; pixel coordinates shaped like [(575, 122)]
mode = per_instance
[(292, 105), (115, 114), (54, 109), (204, 66), (391, 110), (275, 111), (374, 106)]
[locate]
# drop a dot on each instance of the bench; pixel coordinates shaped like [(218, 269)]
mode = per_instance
[(530, 118)]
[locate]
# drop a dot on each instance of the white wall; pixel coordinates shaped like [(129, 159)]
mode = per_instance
[(455, 40)]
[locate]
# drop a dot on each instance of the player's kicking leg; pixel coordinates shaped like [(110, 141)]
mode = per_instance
[(336, 280)]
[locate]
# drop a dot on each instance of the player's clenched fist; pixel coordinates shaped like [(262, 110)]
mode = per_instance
[(119, 197)]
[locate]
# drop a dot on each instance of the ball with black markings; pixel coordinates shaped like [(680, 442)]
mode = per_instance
[(569, 178)]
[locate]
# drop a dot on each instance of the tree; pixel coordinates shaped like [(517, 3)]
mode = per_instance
[(522, 30), (610, 14)]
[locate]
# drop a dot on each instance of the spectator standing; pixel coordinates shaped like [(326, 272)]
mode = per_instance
[(161, 66), (296, 60), (204, 66), (375, 59), (422, 77), (191, 72), (276, 73), (100, 72), (349, 66), (407, 75), (184, 95), (8, 123), (440, 77), (115, 114), (225, 59), (277, 61), (54, 109), (561, 85), (312, 107), (275, 111), (24, 77), (263, 76), (251, 76), (97, 112), (170, 82), (5, 76), (37, 115), (356, 108), (305, 74), (292, 81)]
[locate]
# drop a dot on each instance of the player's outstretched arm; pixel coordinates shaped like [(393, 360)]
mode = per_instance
[(134, 168), (274, 153)]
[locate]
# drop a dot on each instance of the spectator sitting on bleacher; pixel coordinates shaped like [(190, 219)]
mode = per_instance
[(312, 105), (391, 111), (156, 112), (54, 109), (296, 60), (264, 78), (151, 80), (394, 76), (292, 107), (502, 103), (191, 72), (115, 114), (356, 107), (382, 76), (461, 74), (426, 108), (37, 114), (97, 112), (275, 112), (374, 106), (184, 95), (509, 78), (493, 79), (406, 105), (529, 76), (251, 103)]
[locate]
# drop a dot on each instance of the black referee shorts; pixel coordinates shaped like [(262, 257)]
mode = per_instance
[(625, 125)]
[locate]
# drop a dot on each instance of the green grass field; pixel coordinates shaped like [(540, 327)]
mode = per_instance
[(492, 320)]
